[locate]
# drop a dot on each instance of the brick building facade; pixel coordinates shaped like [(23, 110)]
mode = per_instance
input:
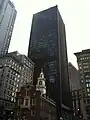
[(32, 103)]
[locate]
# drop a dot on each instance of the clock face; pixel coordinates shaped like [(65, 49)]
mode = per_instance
[(40, 82)]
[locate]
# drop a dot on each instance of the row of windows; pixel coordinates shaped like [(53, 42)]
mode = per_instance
[(85, 67), (85, 71), (16, 65), (33, 112), (88, 85), (44, 44), (2, 16), (87, 81), (84, 64), (52, 66), (12, 87), (9, 97), (28, 62), (10, 62), (9, 93), (13, 78), (11, 82), (85, 58), (85, 95), (13, 63), (13, 73), (15, 68), (75, 93), (25, 79), (9, 87), (27, 101), (52, 79), (86, 101), (6, 104), (51, 51), (52, 71), (87, 76)]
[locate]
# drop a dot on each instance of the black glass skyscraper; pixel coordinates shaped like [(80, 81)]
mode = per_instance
[(47, 48)]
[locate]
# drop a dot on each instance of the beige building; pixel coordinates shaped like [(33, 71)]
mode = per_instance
[(15, 70), (83, 59)]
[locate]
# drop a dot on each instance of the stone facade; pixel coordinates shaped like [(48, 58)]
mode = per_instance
[(15, 70)]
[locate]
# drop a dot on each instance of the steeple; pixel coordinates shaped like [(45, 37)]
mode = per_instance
[(41, 74), (41, 83)]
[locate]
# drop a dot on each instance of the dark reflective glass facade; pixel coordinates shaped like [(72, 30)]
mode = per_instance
[(47, 48)]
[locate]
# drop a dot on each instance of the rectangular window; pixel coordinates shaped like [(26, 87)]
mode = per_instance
[(87, 85), (84, 101), (16, 90), (87, 76), (87, 80), (88, 90), (88, 101), (80, 67), (86, 71), (82, 81), (85, 63), (85, 67), (32, 112), (21, 101), (89, 94), (12, 99), (13, 94), (26, 102), (33, 101), (18, 102), (27, 93)]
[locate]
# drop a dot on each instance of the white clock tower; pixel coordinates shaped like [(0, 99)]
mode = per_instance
[(41, 83)]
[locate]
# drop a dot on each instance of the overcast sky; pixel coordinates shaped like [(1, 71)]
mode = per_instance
[(75, 14)]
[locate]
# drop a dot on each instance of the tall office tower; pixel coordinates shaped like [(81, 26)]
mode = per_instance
[(74, 78), (47, 48), (15, 71), (7, 20), (83, 59)]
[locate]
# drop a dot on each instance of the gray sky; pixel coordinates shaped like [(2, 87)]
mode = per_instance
[(75, 14)]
